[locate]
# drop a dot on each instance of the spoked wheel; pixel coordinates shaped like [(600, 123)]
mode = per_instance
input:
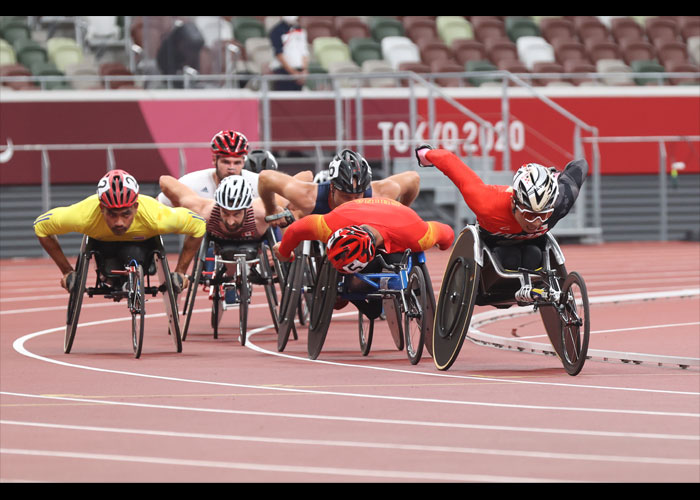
[(456, 301), (137, 305), (291, 294), (392, 311), (366, 331), (244, 297), (325, 293), (417, 315), (192, 290), (575, 323), (75, 299), (270, 289)]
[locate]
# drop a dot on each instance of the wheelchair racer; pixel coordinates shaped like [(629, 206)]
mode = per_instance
[(350, 178), (118, 213), (356, 231), (513, 219)]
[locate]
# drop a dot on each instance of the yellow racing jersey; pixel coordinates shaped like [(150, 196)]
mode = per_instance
[(152, 219)]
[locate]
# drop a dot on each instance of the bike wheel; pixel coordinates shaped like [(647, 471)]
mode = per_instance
[(392, 311), (456, 301), (244, 297), (192, 291), (137, 305), (325, 293), (417, 315), (575, 323), (366, 331), (291, 294), (169, 296), (217, 310), (269, 286), (75, 299)]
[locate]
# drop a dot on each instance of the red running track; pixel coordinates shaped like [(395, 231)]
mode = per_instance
[(221, 412)]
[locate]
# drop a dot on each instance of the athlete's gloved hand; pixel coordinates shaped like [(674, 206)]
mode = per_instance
[(420, 155), (179, 280), (68, 280)]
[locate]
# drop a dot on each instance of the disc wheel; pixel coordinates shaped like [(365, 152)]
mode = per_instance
[(244, 297), (366, 332), (75, 299), (392, 311), (456, 302), (325, 293), (575, 323), (291, 293), (137, 305)]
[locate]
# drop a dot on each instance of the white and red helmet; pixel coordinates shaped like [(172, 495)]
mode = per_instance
[(535, 187), (117, 189)]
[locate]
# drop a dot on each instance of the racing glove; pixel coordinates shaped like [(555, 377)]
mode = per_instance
[(420, 155)]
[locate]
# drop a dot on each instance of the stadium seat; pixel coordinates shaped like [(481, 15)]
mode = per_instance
[(500, 50), (47, 68), (63, 52), (258, 54), (432, 50), (328, 49), (547, 67), (489, 28), (399, 49), (371, 66), (602, 50), (102, 30), (590, 29), (451, 28), (475, 66), (658, 28), (618, 66), (419, 27), (568, 50), (245, 27), (7, 53), (683, 68), (626, 28), (319, 27), (690, 26), (642, 66), (517, 26), (364, 49), (116, 69), (346, 67), (556, 28), (468, 50), (84, 76), (17, 70), (349, 28), (579, 66), (14, 30), (28, 52), (317, 83), (381, 27), (668, 52), (515, 67), (693, 45), (637, 50), (532, 49), (447, 66)]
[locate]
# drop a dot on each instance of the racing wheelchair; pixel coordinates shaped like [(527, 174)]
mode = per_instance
[(400, 287), (237, 265), (474, 276), (124, 271)]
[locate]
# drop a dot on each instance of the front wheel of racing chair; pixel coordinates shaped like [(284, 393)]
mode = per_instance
[(575, 325), (321, 311), (75, 298), (418, 314)]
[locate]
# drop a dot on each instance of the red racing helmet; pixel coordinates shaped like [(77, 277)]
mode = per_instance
[(117, 189), (350, 249), (229, 143)]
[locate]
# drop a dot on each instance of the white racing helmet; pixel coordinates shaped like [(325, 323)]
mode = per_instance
[(535, 187), (234, 193)]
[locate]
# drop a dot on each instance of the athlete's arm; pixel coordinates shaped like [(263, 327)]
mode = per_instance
[(570, 182), (403, 187), (311, 227), (301, 195), (183, 196), (441, 235)]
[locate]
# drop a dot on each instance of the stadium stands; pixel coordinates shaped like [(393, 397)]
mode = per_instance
[(597, 45)]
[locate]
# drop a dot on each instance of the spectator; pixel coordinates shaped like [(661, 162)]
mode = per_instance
[(291, 48)]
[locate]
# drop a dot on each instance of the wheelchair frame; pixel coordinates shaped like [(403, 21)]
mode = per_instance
[(218, 279), (474, 276), (406, 295), (139, 286)]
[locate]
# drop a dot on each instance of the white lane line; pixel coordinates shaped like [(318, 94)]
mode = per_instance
[(294, 469), (365, 444)]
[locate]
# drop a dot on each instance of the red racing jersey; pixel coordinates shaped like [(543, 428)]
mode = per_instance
[(492, 203), (400, 226)]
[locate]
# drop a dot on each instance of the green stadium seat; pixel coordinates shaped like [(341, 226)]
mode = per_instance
[(245, 27), (381, 27), (517, 26), (476, 81), (364, 49), (644, 66), (28, 52)]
